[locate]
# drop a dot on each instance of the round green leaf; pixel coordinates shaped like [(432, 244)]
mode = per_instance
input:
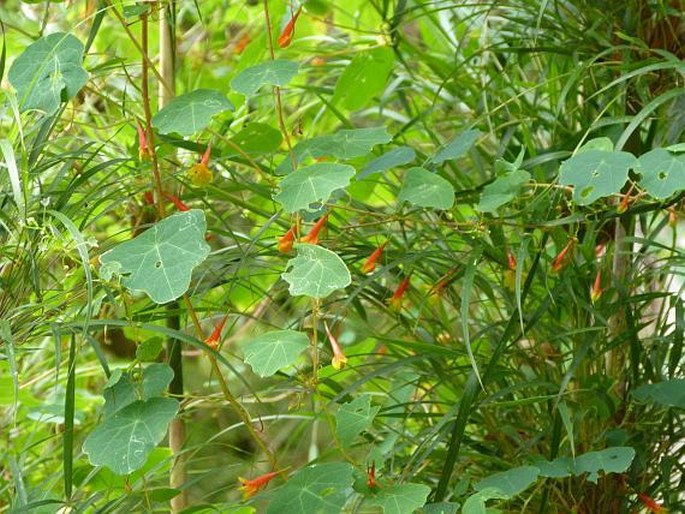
[(663, 172), (668, 393), (48, 71), (353, 418), (269, 73), (160, 261), (274, 351), (400, 498), (190, 113), (611, 460), (316, 272), (124, 440), (426, 189), (316, 489), (312, 184), (595, 174), (121, 390)]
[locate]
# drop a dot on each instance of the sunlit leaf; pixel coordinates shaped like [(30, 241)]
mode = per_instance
[(400, 498), (268, 73), (668, 393), (595, 174), (273, 351), (457, 147), (312, 184), (191, 112), (364, 78), (316, 489), (426, 189), (353, 418), (160, 261), (48, 71), (124, 440), (663, 172), (316, 272)]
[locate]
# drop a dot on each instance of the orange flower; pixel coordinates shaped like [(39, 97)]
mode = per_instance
[(313, 236), (242, 43), (371, 473), (285, 243), (596, 290), (176, 201), (339, 360), (561, 260), (286, 36), (199, 173), (370, 264), (252, 487), (651, 504), (511, 261), (144, 152), (396, 300), (213, 340)]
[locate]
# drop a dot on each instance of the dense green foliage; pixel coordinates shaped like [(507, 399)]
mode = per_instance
[(414, 255)]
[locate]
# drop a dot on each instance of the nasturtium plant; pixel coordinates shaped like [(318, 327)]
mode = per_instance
[(353, 418), (48, 71), (595, 174), (368, 301), (343, 145), (270, 73), (662, 172), (400, 498), (315, 489), (274, 351), (312, 185), (316, 272), (190, 113), (426, 189), (667, 393), (123, 441), (511, 482), (160, 261)]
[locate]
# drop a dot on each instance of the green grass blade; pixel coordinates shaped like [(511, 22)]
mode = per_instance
[(68, 435), (467, 288)]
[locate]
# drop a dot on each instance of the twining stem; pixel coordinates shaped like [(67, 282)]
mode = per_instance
[(145, 92), (228, 395), (277, 90), (315, 341)]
